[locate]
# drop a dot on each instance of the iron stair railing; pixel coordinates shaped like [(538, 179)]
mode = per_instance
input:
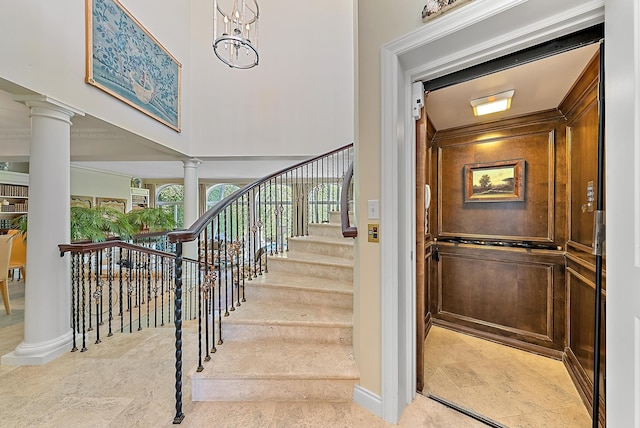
[(232, 239)]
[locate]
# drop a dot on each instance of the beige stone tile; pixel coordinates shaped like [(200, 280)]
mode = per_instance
[(229, 414), (424, 412), (569, 417), (463, 375)]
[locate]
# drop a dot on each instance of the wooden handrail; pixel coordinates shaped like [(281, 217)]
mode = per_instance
[(348, 231), (192, 233), (88, 246)]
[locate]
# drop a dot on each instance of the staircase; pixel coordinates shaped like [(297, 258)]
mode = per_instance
[(292, 339)]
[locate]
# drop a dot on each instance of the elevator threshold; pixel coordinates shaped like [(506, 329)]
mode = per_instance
[(468, 412)]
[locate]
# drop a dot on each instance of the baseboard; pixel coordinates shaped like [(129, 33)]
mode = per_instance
[(583, 384), (367, 399), (428, 322)]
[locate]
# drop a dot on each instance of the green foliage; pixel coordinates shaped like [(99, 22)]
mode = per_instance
[(153, 219), (171, 193), (99, 223), (20, 223)]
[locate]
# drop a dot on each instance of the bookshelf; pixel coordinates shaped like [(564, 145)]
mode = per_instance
[(139, 198), (14, 196)]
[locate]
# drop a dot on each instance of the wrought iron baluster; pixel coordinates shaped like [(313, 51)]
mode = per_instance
[(178, 342), (74, 298), (84, 331), (110, 279)]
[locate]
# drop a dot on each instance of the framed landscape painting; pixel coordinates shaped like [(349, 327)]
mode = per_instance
[(501, 181), (127, 62), (118, 204), (82, 201)]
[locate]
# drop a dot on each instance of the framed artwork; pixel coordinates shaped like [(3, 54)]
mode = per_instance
[(126, 61), (434, 8), (115, 203), (501, 181), (82, 201)]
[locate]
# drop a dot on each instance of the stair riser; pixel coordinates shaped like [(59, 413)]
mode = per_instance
[(285, 295), (272, 389), (286, 333), (335, 217), (322, 248), (325, 230), (340, 273)]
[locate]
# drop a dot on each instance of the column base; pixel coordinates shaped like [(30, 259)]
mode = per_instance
[(37, 354)]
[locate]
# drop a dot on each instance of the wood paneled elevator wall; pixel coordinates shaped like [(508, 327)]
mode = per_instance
[(538, 300)]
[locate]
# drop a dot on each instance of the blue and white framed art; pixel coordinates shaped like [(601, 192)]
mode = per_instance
[(127, 62)]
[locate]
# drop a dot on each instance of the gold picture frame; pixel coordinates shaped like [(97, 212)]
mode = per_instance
[(124, 60), (82, 201), (501, 181), (115, 203)]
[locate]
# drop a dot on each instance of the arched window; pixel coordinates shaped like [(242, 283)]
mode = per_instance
[(231, 224), (218, 192), (171, 198), (275, 205), (323, 199)]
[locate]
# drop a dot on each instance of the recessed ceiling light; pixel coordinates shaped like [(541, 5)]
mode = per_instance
[(492, 103)]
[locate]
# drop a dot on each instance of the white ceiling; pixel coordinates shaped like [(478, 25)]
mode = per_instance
[(539, 85), (96, 144)]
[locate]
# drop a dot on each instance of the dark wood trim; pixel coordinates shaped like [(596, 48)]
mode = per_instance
[(428, 323), (420, 262), (499, 129), (579, 247), (522, 129), (583, 384), (582, 90), (543, 50)]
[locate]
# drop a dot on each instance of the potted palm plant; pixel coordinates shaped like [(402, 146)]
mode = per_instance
[(97, 224), (149, 220)]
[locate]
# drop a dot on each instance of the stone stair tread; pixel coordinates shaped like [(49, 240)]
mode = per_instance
[(314, 258), (301, 282), (274, 313), (324, 239), (273, 360)]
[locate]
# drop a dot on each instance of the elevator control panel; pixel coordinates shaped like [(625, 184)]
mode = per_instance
[(590, 205)]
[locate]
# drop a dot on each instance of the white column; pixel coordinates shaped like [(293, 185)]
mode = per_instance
[(47, 329), (190, 201)]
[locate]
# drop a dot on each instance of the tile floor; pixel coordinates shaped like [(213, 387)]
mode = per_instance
[(512, 387), (127, 381)]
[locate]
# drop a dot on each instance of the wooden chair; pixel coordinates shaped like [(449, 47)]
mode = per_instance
[(18, 254), (5, 256)]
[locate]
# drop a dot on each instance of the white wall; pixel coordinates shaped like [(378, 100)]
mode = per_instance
[(298, 101), (87, 182), (42, 46)]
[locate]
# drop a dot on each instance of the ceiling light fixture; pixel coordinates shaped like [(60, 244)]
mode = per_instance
[(492, 103), (235, 32)]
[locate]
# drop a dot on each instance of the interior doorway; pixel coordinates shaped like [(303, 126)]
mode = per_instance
[(499, 269)]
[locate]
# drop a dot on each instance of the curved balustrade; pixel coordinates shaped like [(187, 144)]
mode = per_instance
[(122, 286), (232, 239)]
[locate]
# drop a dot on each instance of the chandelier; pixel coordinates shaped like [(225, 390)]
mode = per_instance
[(235, 32)]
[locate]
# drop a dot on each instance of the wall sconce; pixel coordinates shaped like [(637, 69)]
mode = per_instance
[(492, 103)]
